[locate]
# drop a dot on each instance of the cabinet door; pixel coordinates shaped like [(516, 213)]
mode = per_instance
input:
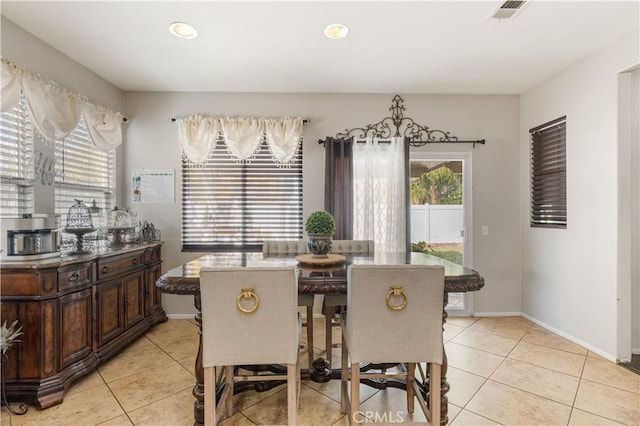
[(75, 326), (109, 311), (152, 293), (134, 300)]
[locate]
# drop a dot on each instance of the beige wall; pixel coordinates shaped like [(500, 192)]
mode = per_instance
[(150, 142), (567, 280), (38, 57), (570, 277)]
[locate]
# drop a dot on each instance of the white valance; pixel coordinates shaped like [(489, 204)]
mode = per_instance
[(11, 85), (55, 110), (104, 125), (283, 136), (197, 135)]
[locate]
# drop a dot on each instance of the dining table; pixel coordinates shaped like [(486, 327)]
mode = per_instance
[(313, 279)]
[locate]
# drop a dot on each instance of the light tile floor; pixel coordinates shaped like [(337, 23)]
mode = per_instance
[(501, 370)]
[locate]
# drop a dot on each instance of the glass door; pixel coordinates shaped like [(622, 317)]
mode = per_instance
[(440, 214)]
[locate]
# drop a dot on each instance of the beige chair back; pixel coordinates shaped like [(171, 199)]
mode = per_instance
[(353, 246), (267, 335), (284, 247), (375, 332)]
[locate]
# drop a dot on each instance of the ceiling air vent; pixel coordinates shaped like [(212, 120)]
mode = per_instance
[(508, 9)]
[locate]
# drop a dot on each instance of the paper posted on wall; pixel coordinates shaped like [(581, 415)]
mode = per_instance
[(153, 186)]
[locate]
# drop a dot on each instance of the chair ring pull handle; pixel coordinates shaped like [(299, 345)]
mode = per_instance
[(248, 293), (396, 291)]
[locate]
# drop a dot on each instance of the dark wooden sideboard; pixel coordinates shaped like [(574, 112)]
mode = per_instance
[(75, 312)]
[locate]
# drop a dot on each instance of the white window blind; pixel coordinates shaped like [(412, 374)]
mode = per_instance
[(229, 205), (16, 159), (81, 171)]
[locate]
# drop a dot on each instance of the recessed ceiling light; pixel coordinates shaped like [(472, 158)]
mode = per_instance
[(336, 31), (183, 30)]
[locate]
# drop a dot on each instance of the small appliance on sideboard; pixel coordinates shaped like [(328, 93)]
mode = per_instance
[(30, 237)]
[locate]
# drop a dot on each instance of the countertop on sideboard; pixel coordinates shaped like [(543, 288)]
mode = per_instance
[(65, 259)]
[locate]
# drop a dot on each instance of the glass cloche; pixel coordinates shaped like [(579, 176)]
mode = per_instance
[(119, 224)]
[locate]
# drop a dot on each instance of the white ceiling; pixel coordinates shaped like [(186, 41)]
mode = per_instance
[(265, 46)]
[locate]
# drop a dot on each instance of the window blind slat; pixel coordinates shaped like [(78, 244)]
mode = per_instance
[(230, 205), (548, 175), (82, 171)]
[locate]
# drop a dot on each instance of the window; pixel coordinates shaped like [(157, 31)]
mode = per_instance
[(80, 171), (83, 172), (16, 159), (229, 205), (549, 175)]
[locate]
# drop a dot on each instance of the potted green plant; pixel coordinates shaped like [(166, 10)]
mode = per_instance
[(320, 226)]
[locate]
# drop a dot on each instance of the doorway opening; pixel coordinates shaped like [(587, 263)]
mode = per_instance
[(440, 213)]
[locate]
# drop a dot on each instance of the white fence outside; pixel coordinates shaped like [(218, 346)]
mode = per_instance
[(437, 223)]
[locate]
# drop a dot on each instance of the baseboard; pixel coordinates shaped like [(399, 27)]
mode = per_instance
[(571, 338), (191, 316), (635, 351), (497, 314), (181, 316)]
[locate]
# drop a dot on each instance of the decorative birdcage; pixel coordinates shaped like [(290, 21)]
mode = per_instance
[(79, 223)]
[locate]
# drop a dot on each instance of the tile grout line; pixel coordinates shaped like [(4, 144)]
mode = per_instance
[(480, 387), (169, 355), (488, 378), (153, 402), (116, 398), (575, 397), (173, 360), (580, 378)]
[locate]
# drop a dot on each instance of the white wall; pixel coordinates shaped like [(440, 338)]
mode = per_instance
[(633, 114), (150, 142), (38, 57), (569, 277)]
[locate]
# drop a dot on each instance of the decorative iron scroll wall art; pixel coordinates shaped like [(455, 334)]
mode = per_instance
[(400, 126)]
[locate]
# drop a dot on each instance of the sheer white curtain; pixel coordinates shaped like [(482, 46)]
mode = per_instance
[(379, 193)]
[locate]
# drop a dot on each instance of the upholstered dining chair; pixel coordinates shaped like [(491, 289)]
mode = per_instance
[(249, 317), (394, 314), (290, 247), (334, 301)]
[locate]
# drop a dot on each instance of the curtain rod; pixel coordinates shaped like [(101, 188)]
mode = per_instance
[(480, 141), (304, 120), (397, 125)]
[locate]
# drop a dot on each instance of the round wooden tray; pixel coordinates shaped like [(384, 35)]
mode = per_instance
[(329, 260)]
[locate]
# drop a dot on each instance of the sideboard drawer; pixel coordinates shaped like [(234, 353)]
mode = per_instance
[(75, 276), (152, 255), (27, 282), (116, 265)]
